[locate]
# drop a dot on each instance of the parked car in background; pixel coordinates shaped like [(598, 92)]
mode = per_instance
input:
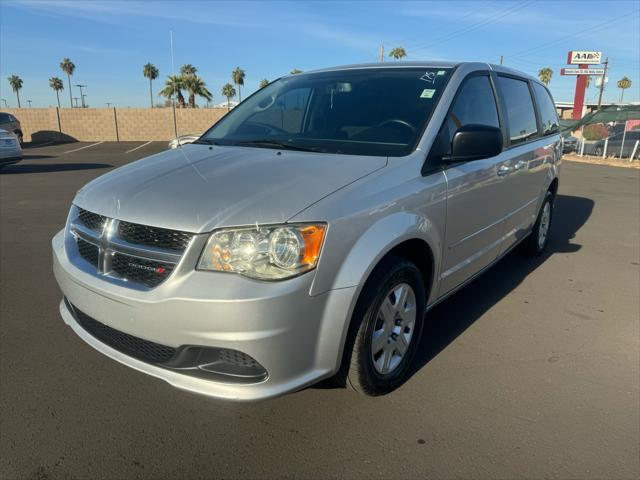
[(615, 146), (11, 124), (570, 144), (183, 140), (312, 227), (10, 150)]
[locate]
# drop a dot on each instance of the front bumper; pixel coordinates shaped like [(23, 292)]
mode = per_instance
[(296, 337)]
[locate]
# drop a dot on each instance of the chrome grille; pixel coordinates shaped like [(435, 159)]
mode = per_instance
[(88, 251), (153, 237), (92, 221), (136, 254), (148, 272)]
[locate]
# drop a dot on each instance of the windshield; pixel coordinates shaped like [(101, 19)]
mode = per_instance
[(370, 111)]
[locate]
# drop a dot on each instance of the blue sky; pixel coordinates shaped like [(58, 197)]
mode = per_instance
[(110, 41)]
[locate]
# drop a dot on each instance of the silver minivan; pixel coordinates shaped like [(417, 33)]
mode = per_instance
[(307, 234)]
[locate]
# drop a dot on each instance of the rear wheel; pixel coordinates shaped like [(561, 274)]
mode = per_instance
[(386, 327), (20, 138), (538, 239), (598, 151)]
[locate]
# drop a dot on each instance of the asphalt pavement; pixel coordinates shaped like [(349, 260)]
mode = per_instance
[(532, 371)]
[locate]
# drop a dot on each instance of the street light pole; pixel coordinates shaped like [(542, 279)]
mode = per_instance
[(602, 81), (81, 95), (5, 102), (76, 100)]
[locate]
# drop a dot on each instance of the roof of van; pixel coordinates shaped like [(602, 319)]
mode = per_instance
[(425, 63)]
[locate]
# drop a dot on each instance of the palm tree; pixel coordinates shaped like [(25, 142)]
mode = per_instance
[(398, 53), (188, 70), (151, 72), (68, 67), (238, 78), (263, 83), (173, 86), (623, 84), (545, 74), (196, 86), (229, 92), (57, 85), (295, 71), (16, 84)]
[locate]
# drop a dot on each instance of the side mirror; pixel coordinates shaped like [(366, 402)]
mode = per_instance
[(475, 142)]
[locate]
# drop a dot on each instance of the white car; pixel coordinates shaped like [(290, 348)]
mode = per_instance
[(183, 140), (10, 150)]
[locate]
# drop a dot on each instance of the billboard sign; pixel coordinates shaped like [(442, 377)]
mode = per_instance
[(584, 57), (582, 71)]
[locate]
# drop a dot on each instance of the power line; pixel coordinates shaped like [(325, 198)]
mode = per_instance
[(475, 26), (581, 32)]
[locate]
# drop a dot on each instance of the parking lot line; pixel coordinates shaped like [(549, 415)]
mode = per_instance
[(139, 146), (82, 148)]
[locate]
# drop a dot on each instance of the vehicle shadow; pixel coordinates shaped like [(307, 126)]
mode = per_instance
[(50, 167), (449, 319)]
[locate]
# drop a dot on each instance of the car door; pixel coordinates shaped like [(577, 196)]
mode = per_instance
[(532, 147), (475, 189)]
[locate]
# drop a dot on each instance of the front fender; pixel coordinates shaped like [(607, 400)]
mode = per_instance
[(367, 250)]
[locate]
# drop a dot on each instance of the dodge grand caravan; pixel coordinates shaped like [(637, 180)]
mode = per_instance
[(307, 234)]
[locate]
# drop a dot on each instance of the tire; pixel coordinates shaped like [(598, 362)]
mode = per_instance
[(379, 372), (536, 243), (598, 151), (20, 138)]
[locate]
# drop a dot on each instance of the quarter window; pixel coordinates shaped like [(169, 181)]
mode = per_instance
[(521, 117), (548, 114)]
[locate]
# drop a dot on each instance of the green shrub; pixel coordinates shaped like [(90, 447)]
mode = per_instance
[(595, 131)]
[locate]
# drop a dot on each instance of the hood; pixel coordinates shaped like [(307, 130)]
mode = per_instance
[(197, 188)]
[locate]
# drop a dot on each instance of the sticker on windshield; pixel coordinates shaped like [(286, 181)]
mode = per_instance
[(429, 77), (427, 93), (441, 72)]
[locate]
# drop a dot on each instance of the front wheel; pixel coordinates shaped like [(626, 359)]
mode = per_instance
[(387, 323), (537, 241)]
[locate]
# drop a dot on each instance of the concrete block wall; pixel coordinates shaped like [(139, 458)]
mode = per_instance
[(112, 124)]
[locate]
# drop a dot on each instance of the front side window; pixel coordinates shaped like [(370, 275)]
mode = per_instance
[(475, 104), (521, 117), (369, 111), (548, 114)]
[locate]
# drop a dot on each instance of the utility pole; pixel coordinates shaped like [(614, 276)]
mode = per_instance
[(76, 100), (501, 59), (5, 102), (381, 52), (29, 102), (108, 104), (604, 78), (81, 95)]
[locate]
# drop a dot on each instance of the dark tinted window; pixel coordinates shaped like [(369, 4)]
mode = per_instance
[(369, 111), (521, 117), (474, 104), (547, 109), (4, 117)]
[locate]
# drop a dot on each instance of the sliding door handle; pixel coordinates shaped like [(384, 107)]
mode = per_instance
[(504, 170)]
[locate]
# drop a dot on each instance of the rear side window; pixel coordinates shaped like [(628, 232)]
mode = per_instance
[(4, 117), (521, 117), (547, 109)]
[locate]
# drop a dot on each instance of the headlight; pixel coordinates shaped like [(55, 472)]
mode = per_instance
[(264, 253)]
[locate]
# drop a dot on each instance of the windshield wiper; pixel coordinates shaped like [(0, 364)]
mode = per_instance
[(273, 144), (205, 141)]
